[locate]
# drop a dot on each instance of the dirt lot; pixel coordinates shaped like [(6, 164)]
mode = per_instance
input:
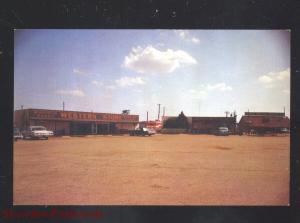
[(162, 169)]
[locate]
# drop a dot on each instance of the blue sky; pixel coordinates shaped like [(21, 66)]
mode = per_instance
[(199, 72)]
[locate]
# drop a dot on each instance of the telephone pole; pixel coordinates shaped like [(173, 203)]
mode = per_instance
[(63, 105), (147, 116), (158, 111), (227, 112)]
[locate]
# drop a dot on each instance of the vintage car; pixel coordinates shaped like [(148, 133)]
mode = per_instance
[(222, 131), (142, 132), (36, 132)]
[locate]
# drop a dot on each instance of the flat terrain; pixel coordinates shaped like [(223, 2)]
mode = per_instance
[(162, 169)]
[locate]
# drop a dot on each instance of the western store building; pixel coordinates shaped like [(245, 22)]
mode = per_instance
[(75, 122)]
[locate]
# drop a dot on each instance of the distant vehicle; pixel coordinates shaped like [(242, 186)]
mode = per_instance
[(284, 130), (17, 134), (142, 132), (151, 131), (222, 131), (36, 132)]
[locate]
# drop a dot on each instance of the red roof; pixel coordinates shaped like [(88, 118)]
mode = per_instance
[(264, 121)]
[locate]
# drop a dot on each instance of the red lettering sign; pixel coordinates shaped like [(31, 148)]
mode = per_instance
[(81, 116)]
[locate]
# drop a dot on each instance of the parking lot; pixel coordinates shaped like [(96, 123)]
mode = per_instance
[(157, 170)]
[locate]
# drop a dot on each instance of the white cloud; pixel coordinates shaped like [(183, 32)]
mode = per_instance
[(205, 90), (275, 79), (265, 79), (185, 35), (151, 60), (218, 87), (195, 40), (77, 93), (182, 33), (97, 83), (197, 94), (80, 72), (283, 75), (130, 81)]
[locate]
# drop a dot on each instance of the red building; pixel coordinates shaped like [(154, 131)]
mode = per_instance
[(263, 122), (209, 125), (75, 122)]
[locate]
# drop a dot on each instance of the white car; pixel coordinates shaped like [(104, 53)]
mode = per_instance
[(36, 132), (222, 131), (142, 132)]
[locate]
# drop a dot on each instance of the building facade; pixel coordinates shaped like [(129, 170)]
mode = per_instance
[(75, 122), (263, 122), (209, 125)]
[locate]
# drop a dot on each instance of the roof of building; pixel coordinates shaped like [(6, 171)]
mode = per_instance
[(214, 118), (72, 111), (281, 114)]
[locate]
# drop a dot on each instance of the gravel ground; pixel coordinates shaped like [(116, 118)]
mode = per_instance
[(157, 170)]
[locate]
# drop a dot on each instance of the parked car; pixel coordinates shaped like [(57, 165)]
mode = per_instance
[(142, 132), (17, 134), (222, 131), (36, 132), (284, 130)]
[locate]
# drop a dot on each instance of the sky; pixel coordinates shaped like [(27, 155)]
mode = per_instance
[(199, 72)]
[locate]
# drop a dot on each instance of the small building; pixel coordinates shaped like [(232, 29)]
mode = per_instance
[(264, 122), (209, 125), (75, 122)]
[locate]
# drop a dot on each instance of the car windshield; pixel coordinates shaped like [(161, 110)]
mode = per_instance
[(38, 128)]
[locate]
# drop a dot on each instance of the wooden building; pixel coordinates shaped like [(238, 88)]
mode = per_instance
[(264, 122), (206, 125), (209, 125)]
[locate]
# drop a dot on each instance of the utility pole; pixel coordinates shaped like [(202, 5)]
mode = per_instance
[(21, 107), (147, 116), (284, 110), (227, 112), (63, 105), (164, 109), (158, 111)]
